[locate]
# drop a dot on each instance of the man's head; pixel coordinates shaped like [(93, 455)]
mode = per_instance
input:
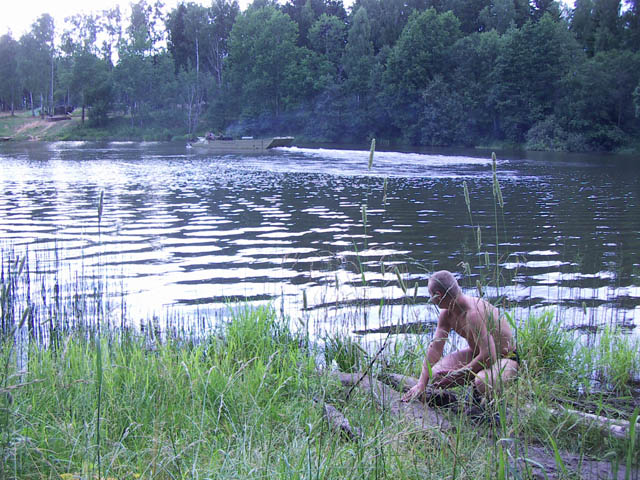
[(443, 288)]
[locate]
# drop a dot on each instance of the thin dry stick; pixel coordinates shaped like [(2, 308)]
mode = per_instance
[(366, 370)]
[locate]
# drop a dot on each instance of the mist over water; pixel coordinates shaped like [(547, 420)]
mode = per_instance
[(188, 231)]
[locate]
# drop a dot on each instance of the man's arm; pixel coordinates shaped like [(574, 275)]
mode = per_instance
[(434, 354)]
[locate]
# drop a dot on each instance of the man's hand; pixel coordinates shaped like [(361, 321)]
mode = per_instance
[(413, 392), (453, 377)]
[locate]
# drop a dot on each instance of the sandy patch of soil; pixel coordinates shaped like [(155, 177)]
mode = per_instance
[(38, 128)]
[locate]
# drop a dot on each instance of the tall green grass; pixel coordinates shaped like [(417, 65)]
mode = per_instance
[(230, 406), (237, 402), (618, 359), (545, 346)]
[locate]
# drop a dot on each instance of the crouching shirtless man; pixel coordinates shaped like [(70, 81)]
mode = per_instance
[(490, 357)]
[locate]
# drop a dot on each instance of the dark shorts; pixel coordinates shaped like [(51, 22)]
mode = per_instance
[(513, 356)]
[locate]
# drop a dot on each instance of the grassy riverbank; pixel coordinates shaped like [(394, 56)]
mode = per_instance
[(239, 404), (24, 126)]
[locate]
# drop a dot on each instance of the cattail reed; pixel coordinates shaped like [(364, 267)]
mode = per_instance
[(371, 151), (384, 192)]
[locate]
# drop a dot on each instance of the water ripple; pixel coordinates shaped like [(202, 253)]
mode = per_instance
[(193, 230)]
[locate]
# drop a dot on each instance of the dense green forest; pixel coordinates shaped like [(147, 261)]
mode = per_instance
[(418, 72)]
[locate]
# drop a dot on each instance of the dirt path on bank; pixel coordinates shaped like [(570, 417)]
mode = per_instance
[(36, 128)]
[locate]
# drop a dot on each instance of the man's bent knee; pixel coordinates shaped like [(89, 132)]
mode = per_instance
[(480, 386), (480, 383), (493, 378)]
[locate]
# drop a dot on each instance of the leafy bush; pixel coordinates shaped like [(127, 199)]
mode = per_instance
[(547, 134), (346, 352), (618, 362), (256, 334), (544, 345)]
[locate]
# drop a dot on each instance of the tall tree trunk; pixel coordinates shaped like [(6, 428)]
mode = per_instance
[(197, 92), (197, 60), (33, 110), (51, 104), (190, 112), (219, 66)]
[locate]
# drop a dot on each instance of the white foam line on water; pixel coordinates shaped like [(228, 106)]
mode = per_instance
[(66, 144), (431, 159)]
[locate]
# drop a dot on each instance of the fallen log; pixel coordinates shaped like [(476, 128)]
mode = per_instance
[(542, 464), (400, 382), (437, 397), (422, 416), (615, 427), (338, 423), (411, 327)]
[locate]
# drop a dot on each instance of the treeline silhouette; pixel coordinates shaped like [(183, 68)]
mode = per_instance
[(418, 72)]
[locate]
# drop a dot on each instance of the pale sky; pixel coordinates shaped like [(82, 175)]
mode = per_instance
[(18, 15)]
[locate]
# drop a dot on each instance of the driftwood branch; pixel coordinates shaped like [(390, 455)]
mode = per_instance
[(403, 383), (338, 423), (614, 427)]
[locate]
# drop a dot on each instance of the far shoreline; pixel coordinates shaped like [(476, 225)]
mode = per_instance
[(23, 127)]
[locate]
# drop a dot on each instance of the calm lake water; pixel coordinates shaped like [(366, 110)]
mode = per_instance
[(183, 232)]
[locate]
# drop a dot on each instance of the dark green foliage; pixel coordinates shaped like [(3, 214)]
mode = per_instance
[(388, 18), (599, 101), (263, 57), (419, 72), (307, 12), (91, 78), (9, 67), (527, 93), (475, 58), (327, 36), (443, 118), (422, 52), (181, 47), (100, 95), (469, 13), (34, 58)]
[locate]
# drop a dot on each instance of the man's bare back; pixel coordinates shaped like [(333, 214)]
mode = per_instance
[(476, 314), (488, 334)]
